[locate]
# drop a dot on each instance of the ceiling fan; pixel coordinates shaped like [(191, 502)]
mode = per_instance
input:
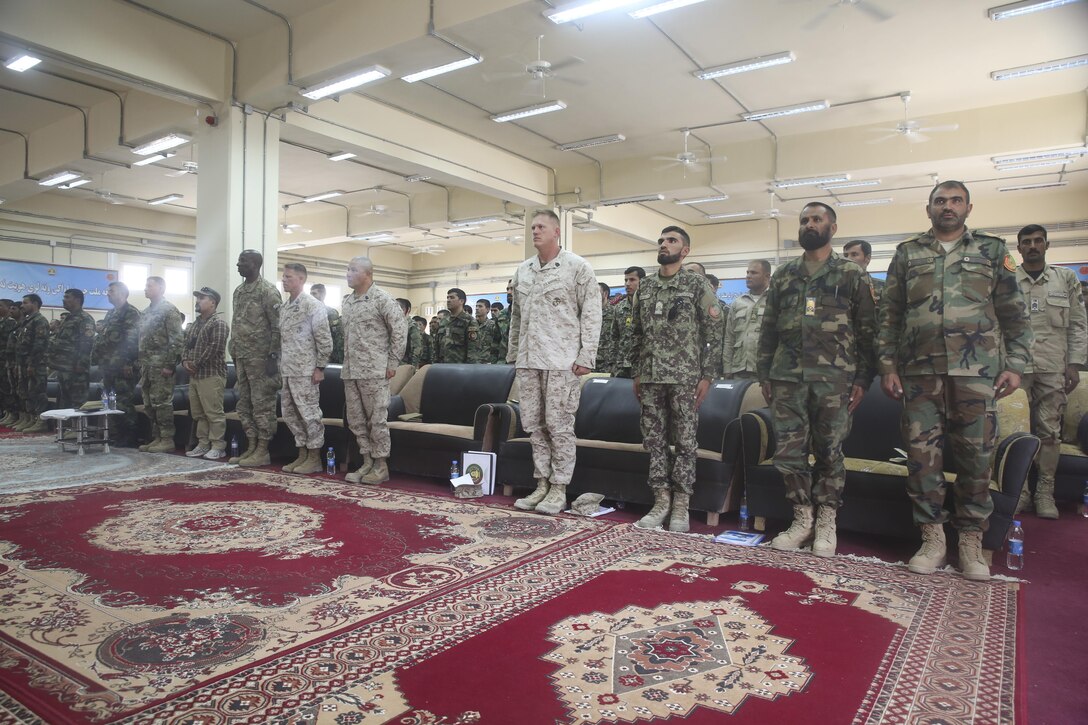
[(868, 7), (434, 249), (377, 209), (288, 228), (774, 212), (187, 167), (107, 196), (539, 72), (911, 129), (690, 160)]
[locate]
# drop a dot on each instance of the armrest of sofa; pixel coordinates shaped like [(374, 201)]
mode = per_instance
[(757, 436), (494, 423), (510, 418), (1012, 462), (396, 407)]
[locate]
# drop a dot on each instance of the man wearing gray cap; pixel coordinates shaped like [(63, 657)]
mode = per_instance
[(204, 357)]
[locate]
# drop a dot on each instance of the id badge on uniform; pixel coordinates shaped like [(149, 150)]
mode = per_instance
[(810, 306), (1035, 304), (659, 308)]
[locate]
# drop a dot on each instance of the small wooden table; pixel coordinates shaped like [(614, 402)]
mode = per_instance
[(98, 434)]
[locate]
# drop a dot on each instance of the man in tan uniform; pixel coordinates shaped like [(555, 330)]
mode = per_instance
[(740, 350), (305, 346), (375, 334), (1059, 322), (554, 331)]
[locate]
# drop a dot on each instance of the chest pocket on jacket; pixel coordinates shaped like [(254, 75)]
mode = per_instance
[(919, 282), (681, 309), (1057, 311), (976, 278)]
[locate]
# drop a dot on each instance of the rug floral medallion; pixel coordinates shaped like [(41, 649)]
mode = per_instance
[(234, 596)]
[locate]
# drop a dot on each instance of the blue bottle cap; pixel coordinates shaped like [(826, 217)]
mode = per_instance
[(1015, 523)]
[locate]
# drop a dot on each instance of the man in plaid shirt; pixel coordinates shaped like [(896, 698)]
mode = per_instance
[(205, 359)]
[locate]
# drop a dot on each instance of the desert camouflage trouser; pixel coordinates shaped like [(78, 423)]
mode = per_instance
[(1047, 399), (811, 416), (73, 388), (669, 418), (256, 406), (549, 400), (961, 409), (367, 403), (300, 402), (32, 389), (158, 398)]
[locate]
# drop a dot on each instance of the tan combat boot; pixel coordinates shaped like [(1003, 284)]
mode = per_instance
[(825, 541), (259, 456), (356, 476), (8, 419), (143, 448), (658, 512), (678, 513), (312, 464), (1024, 503), (972, 563), (554, 502), (1045, 508), (161, 445), (934, 551), (378, 473), (303, 454), (800, 531), (530, 502), (251, 443), (23, 421), (37, 425)]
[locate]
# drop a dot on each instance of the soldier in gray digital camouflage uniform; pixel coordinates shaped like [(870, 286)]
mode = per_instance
[(816, 361), (676, 335), (255, 349), (554, 330), (1058, 320), (30, 354), (115, 351), (306, 343), (375, 335), (70, 352), (954, 337), (161, 343)]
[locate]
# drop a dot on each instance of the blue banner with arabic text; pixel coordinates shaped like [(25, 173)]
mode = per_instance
[(49, 281)]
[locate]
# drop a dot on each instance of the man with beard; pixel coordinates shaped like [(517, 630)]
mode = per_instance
[(1057, 317), (816, 361), (951, 302), (676, 335), (622, 322), (744, 323)]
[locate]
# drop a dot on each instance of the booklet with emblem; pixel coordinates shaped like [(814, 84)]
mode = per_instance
[(481, 467), (742, 538)]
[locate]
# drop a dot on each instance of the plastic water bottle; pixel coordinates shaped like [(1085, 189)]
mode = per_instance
[(455, 469), (105, 399), (234, 447), (1015, 558), (1084, 502), (744, 526), (113, 400), (330, 462)]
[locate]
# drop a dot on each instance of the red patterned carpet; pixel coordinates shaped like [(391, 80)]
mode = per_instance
[(247, 596)]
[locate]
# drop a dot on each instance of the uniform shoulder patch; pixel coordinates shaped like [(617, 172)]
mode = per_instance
[(713, 311), (1009, 264), (472, 334)]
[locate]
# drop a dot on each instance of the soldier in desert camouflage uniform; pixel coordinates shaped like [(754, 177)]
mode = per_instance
[(8, 400), (740, 349), (676, 336), (1057, 317), (415, 347), (950, 303), (816, 362), (114, 352), (70, 352), (336, 326), (457, 331), (554, 330), (622, 323), (161, 342), (30, 355), (255, 349), (375, 335), (305, 342)]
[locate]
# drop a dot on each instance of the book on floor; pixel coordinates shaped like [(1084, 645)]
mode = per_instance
[(743, 538), (481, 466)]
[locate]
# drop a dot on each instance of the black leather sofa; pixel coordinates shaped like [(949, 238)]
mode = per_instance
[(875, 499)]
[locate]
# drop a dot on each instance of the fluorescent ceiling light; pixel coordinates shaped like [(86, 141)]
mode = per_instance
[(1069, 153), (59, 178), (416, 177), (851, 184), (474, 222), (152, 159), (1076, 61), (633, 199), (702, 199), (811, 181), (439, 70), (584, 8), (730, 215), (345, 83), (586, 227), (374, 237), (743, 66), (341, 156), (1025, 187), (1032, 164), (169, 141), (293, 245), (22, 62), (529, 111), (74, 184), (866, 202), (164, 199), (586, 143), (1014, 10), (322, 196), (661, 7), (2, 201), (786, 110)]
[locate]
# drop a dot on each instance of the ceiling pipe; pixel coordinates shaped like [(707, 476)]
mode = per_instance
[(118, 96), (290, 38), (26, 150)]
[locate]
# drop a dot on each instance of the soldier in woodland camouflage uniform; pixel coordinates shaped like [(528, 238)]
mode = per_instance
[(458, 333), (15, 398), (255, 349), (8, 401), (306, 343), (487, 339), (740, 349), (623, 322), (554, 330), (30, 355), (606, 345), (815, 364), (860, 252), (70, 352), (161, 343), (375, 335), (502, 332), (415, 347), (114, 352), (950, 303), (676, 335), (336, 327), (426, 355), (1057, 317)]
